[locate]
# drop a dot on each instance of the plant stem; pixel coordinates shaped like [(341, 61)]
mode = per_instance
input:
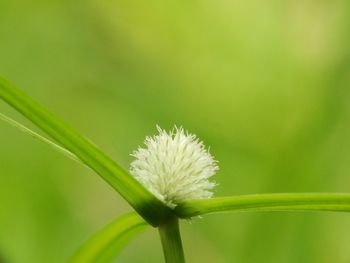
[(108, 242), (171, 241), (143, 201), (267, 202)]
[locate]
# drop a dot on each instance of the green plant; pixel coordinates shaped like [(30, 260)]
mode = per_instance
[(150, 209)]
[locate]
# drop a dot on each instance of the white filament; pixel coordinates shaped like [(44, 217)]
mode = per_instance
[(175, 167)]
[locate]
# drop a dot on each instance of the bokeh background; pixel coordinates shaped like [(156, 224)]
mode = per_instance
[(265, 83)]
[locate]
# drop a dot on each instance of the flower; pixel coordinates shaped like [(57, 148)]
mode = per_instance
[(175, 167)]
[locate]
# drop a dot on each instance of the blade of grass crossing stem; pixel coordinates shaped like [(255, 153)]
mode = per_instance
[(336, 202), (146, 204), (108, 243)]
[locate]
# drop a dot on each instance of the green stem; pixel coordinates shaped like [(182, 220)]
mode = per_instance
[(267, 202), (109, 242), (171, 241), (144, 202)]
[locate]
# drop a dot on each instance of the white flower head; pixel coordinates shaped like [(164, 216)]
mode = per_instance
[(175, 167)]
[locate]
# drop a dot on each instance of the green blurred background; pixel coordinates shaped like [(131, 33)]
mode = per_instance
[(265, 83)]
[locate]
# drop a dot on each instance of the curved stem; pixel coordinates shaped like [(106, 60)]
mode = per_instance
[(171, 241), (108, 242), (267, 202)]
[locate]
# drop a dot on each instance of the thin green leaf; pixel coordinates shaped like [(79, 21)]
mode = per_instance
[(37, 136), (146, 204), (106, 244), (337, 202)]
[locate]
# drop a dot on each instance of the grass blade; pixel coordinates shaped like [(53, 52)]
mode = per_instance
[(147, 205), (37, 136), (107, 243), (337, 202)]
